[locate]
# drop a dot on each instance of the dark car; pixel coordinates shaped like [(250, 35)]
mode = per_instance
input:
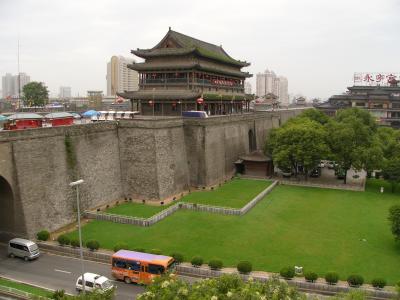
[(316, 172)]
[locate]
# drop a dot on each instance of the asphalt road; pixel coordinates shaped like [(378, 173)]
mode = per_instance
[(59, 272)]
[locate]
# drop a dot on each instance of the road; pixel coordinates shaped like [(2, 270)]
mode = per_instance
[(59, 272)]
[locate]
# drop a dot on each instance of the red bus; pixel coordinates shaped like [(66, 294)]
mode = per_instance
[(139, 267)]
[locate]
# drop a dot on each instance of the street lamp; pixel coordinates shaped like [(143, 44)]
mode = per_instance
[(76, 184)]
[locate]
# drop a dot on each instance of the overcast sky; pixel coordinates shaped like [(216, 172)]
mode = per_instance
[(316, 44)]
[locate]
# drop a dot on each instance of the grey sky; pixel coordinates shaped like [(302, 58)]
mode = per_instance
[(316, 44)]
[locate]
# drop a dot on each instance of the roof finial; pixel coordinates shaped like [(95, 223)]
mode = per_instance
[(169, 28)]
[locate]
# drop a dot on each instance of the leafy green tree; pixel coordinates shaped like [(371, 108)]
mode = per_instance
[(315, 115), (389, 140), (35, 94), (224, 287), (301, 142), (360, 114), (352, 140), (394, 218), (391, 172)]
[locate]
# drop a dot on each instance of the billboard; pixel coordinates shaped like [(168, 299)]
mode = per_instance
[(374, 79)]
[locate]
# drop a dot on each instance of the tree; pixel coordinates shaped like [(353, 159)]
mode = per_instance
[(299, 143), (224, 287), (391, 172), (35, 94), (315, 115), (352, 140), (389, 140), (394, 218)]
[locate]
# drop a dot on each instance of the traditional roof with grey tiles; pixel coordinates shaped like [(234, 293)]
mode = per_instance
[(187, 45)]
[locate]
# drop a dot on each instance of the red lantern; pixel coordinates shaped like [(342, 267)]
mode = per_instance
[(174, 104), (200, 101)]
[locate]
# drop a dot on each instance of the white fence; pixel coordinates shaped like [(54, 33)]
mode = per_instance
[(20, 294), (180, 205)]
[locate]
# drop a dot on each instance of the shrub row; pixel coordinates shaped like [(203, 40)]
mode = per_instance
[(332, 278), (243, 267), (65, 240)]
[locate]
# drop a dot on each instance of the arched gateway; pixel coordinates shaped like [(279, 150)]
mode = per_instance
[(9, 225)]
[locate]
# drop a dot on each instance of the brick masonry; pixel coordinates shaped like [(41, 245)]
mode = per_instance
[(143, 158)]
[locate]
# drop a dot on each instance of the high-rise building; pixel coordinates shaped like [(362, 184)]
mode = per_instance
[(119, 77), (65, 92), (247, 87), (268, 82), (7, 85), (12, 85)]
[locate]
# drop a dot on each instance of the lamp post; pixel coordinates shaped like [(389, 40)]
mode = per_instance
[(76, 184)]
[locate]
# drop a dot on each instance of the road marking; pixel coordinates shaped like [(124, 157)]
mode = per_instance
[(77, 258), (62, 271)]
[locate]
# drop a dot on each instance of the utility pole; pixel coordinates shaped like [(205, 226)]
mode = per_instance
[(19, 79)]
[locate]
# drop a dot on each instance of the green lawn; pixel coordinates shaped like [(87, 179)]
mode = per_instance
[(25, 288), (320, 229), (135, 210), (235, 193)]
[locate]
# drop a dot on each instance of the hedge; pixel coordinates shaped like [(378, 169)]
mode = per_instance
[(331, 277), (63, 240), (120, 246), (244, 267), (93, 245), (287, 272), (197, 261), (43, 235), (215, 264)]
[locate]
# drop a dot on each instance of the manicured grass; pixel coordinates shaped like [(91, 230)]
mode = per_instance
[(320, 229), (235, 193), (135, 210), (25, 288)]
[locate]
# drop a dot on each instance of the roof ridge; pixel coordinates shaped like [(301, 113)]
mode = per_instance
[(188, 36)]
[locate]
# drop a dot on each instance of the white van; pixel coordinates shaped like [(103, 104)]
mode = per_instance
[(26, 249), (94, 282)]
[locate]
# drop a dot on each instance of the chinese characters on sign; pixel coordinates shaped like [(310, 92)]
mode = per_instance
[(383, 79)]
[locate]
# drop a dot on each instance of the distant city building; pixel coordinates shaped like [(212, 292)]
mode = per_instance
[(269, 82), (65, 92), (247, 88), (119, 77), (95, 99), (8, 85), (12, 85)]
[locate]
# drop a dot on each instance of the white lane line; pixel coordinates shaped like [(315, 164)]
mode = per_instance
[(62, 271)]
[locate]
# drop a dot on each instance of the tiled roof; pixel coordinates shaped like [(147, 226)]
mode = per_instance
[(188, 45), (183, 65)]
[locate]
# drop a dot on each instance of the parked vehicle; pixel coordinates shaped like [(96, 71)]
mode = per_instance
[(316, 172), (94, 282), (139, 267), (194, 114), (25, 249), (331, 164)]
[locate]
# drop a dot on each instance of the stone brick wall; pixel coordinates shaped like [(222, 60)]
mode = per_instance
[(153, 158), (142, 158), (41, 190)]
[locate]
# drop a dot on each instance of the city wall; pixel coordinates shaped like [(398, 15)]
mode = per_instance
[(144, 158)]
